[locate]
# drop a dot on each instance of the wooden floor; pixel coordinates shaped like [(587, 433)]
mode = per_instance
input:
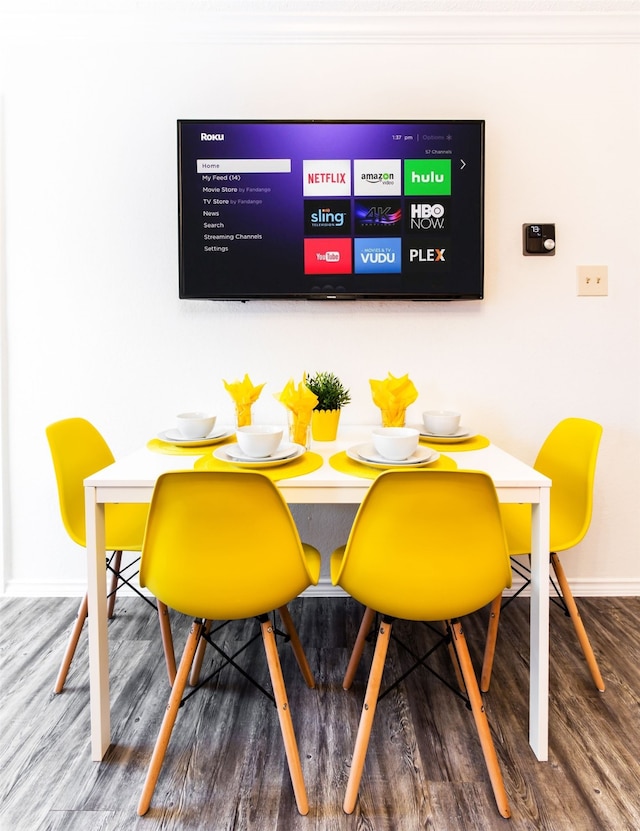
[(225, 765)]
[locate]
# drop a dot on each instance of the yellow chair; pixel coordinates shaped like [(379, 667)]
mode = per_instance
[(223, 546), (78, 450), (568, 457), (424, 546)]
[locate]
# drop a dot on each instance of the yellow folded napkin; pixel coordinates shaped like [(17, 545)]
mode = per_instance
[(300, 401), (244, 395), (393, 396)]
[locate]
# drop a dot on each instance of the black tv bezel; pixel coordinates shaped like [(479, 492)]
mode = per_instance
[(322, 295)]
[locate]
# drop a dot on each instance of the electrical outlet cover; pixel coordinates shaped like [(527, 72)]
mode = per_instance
[(593, 280)]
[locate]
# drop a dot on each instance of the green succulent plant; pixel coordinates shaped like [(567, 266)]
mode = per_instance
[(331, 392)]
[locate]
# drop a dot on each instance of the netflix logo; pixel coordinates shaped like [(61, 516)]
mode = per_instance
[(326, 177)]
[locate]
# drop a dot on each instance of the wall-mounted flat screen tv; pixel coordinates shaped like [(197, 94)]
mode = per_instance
[(331, 209)]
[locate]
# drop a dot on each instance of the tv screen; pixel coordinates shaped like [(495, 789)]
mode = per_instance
[(331, 209)]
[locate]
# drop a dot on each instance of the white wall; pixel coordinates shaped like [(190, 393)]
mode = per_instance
[(93, 324)]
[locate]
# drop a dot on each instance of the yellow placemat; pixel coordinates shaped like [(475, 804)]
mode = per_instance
[(472, 443), (298, 467), (159, 446), (342, 463)]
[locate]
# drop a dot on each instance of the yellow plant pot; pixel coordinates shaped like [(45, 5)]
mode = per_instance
[(324, 424)]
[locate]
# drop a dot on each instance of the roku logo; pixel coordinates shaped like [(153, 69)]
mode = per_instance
[(211, 136)]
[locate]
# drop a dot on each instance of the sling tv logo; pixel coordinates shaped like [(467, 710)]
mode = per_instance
[(211, 136), (326, 218)]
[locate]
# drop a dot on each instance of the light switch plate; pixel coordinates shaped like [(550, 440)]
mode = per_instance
[(593, 280)]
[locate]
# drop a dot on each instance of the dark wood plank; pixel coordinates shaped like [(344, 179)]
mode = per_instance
[(225, 766)]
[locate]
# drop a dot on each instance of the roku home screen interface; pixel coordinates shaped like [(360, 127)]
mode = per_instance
[(318, 208)]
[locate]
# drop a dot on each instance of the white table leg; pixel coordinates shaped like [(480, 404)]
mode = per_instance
[(98, 639), (539, 627)]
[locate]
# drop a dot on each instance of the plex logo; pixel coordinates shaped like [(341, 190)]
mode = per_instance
[(427, 255)]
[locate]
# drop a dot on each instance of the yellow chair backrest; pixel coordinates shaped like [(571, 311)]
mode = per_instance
[(568, 457), (426, 545), (222, 545), (78, 451)]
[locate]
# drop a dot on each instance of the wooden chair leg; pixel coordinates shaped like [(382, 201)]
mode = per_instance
[(116, 562), (167, 641), (298, 651), (581, 632), (197, 662), (284, 714), (358, 648), (490, 645), (480, 717), (366, 718), (454, 660), (72, 643), (169, 717)]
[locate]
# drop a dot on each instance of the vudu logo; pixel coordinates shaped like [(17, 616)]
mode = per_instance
[(427, 176), (211, 136), (378, 255)]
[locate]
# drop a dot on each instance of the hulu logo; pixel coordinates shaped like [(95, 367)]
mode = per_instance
[(427, 176)]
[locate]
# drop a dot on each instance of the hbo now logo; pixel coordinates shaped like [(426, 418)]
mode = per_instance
[(426, 217)]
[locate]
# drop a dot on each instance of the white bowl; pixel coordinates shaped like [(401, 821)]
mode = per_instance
[(395, 443), (259, 441), (195, 425), (441, 422)]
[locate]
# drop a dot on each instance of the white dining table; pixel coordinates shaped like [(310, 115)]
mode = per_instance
[(132, 479)]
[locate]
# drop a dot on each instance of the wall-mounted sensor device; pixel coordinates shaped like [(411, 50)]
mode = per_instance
[(538, 239)]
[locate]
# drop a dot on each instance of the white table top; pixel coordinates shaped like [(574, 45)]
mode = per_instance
[(141, 469)]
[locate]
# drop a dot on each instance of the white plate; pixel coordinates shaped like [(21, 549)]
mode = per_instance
[(284, 451), (222, 453), (174, 436), (366, 454), (461, 434)]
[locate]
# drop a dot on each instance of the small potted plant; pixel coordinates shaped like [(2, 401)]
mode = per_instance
[(332, 397)]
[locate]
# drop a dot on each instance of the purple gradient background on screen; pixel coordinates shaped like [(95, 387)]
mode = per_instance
[(274, 265)]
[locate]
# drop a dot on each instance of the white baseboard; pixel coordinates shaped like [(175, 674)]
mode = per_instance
[(581, 587)]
